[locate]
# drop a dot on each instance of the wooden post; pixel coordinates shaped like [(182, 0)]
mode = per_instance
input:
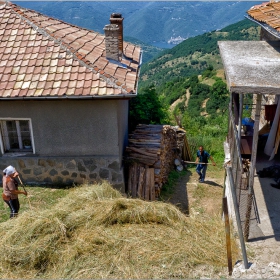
[(227, 228)]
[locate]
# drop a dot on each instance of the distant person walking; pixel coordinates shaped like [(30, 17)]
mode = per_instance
[(202, 160), (10, 190)]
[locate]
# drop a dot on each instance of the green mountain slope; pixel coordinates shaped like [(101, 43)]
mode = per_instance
[(194, 55)]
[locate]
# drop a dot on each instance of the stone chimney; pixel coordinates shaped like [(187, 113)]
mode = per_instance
[(118, 19), (112, 41)]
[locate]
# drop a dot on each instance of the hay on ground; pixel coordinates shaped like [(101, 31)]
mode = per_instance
[(94, 232)]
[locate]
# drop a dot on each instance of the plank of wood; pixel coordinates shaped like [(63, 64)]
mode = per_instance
[(152, 185), (147, 184), (135, 180), (277, 139), (245, 148), (141, 182), (141, 151), (129, 180)]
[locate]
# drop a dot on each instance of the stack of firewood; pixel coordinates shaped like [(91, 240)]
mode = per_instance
[(151, 153), (183, 148)]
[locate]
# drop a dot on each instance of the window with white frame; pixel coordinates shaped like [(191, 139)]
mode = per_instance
[(16, 135)]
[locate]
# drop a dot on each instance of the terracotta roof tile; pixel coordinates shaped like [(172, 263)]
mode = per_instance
[(41, 84), (87, 84), (33, 85), (38, 92), (80, 91), (95, 84), (28, 77), (22, 70), (15, 92), (268, 13), (67, 60), (55, 91), (59, 76), (66, 76), (8, 92), (94, 91), (64, 84), (51, 77)]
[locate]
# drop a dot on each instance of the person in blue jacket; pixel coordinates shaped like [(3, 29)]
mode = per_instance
[(202, 160)]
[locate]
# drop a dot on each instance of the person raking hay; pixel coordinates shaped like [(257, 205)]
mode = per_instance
[(10, 190), (202, 159)]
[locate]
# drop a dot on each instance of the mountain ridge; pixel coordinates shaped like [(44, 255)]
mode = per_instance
[(149, 22), (194, 55)]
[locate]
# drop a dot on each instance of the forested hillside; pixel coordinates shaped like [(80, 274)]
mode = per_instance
[(194, 55), (186, 86)]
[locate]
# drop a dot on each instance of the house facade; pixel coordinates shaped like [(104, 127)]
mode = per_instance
[(64, 98), (252, 67)]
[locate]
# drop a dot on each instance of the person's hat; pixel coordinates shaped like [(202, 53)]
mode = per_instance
[(9, 170)]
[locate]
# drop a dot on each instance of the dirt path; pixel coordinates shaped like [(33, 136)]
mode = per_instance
[(176, 102), (193, 197), (204, 113), (190, 195)]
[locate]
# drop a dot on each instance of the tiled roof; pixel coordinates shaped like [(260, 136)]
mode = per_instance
[(268, 13), (44, 57)]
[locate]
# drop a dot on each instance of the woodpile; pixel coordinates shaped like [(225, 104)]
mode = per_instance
[(150, 154)]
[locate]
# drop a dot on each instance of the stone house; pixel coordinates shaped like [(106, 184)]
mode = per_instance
[(64, 98)]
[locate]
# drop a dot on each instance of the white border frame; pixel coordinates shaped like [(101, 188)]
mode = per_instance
[(30, 128)]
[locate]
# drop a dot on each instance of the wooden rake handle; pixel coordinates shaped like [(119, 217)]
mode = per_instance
[(25, 191), (196, 162), (21, 183)]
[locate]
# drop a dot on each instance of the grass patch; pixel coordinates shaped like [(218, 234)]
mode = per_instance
[(92, 232), (200, 191), (169, 187), (39, 198)]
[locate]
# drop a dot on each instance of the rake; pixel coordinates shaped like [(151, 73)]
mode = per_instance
[(25, 191)]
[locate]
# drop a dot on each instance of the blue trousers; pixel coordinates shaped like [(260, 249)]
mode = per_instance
[(201, 171)]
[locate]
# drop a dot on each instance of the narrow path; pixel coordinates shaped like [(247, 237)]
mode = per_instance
[(176, 102), (263, 253)]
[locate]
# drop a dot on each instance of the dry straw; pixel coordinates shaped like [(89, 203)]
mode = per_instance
[(94, 232)]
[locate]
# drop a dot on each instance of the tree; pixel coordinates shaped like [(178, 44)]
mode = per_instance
[(146, 108), (218, 98)]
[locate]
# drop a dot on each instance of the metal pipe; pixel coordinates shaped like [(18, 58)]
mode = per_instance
[(236, 139), (240, 116), (252, 167), (237, 215)]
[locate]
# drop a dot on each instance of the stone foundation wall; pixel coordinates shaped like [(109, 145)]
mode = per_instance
[(66, 171)]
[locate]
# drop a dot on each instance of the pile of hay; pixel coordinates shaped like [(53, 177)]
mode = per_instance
[(94, 232)]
